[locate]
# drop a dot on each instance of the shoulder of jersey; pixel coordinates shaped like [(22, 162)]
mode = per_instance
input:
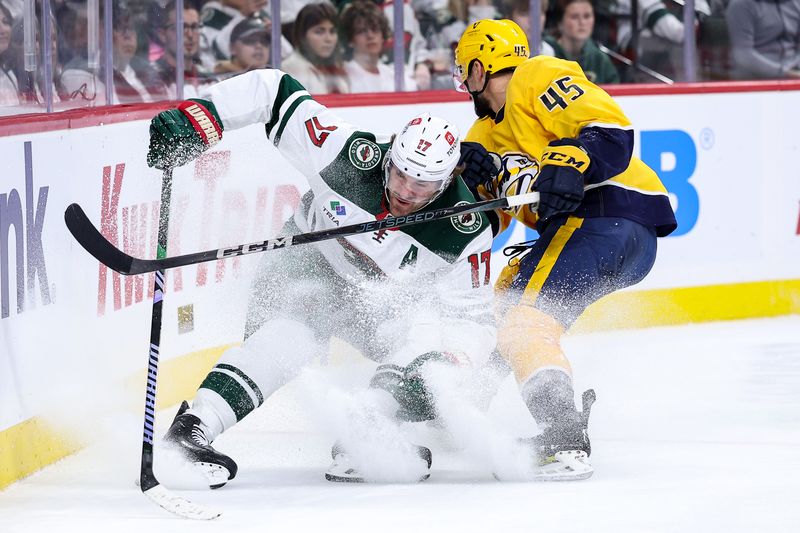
[(215, 18), (536, 74), (479, 130), (542, 70)]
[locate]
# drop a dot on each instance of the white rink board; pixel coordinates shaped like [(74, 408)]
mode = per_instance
[(76, 336), (735, 151)]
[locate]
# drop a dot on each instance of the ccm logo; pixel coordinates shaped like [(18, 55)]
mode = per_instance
[(255, 247), (563, 158)]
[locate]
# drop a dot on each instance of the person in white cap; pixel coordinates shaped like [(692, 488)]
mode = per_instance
[(410, 299)]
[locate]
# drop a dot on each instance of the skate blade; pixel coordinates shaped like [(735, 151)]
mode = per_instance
[(345, 479), (572, 465), (178, 505), (338, 473), (216, 475), (342, 471)]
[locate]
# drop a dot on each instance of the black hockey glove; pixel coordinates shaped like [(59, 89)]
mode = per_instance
[(407, 386), (179, 135), (560, 180), (479, 167)]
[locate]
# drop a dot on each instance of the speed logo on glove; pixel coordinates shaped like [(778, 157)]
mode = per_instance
[(517, 175)]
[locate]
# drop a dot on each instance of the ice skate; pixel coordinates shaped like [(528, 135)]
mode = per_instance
[(187, 436), (342, 470), (562, 449)]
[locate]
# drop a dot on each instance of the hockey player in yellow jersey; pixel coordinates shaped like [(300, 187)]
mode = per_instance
[(543, 126)]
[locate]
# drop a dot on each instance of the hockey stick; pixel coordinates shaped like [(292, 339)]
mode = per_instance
[(624, 60), (147, 479), (98, 246)]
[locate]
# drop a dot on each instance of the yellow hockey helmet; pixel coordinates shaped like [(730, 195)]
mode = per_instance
[(497, 44)]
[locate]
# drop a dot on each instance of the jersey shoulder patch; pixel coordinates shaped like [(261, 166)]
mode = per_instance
[(448, 237), (356, 173), (364, 154)]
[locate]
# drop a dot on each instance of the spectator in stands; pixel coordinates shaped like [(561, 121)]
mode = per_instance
[(15, 7), (521, 14), (141, 13), (31, 85), (765, 38), (250, 46), (574, 42), (441, 23), (365, 30), (417, 56), (9, 95), (660, 35), (72, 21), (134, 79), (220, 17), (291, 8), (316, 61), (193, 72)]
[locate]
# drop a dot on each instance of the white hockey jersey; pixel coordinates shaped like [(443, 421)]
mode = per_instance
[(445, 262)]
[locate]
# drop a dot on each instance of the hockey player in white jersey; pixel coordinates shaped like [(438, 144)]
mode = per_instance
[(407, 298)]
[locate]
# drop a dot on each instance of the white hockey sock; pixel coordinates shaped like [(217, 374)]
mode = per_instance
[(214, 413)]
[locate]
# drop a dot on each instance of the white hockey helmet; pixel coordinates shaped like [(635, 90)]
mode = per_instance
[(427, 149)]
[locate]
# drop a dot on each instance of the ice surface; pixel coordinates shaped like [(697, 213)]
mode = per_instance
[(696, 428)]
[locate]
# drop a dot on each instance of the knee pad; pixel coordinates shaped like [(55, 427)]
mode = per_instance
[(529, 340)]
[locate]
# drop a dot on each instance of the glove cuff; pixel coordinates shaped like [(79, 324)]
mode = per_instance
[(566, 153), (204, 118)]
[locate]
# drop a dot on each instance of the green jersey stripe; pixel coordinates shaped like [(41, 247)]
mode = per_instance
[(286, 89), (246, 379), (287, 115), (231, 391)]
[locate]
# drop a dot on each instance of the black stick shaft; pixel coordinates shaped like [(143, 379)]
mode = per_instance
[(93, 241), (146, 476)]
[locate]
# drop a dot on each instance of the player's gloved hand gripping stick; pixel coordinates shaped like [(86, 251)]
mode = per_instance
[(560, 181), (479, 166), (179, 135)]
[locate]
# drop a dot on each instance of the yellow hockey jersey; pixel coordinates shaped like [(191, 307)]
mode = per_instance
[(548, 99)]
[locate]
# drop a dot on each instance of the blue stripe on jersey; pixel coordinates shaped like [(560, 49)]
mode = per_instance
[(610, 149), (647, 209)]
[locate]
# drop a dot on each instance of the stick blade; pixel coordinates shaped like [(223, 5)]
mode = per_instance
[(178, 505), (93, 241)]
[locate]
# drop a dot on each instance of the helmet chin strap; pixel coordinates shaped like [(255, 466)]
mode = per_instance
[(484, 109), (475, 94)]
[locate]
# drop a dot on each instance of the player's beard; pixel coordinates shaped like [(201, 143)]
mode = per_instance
[(482, 107)]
